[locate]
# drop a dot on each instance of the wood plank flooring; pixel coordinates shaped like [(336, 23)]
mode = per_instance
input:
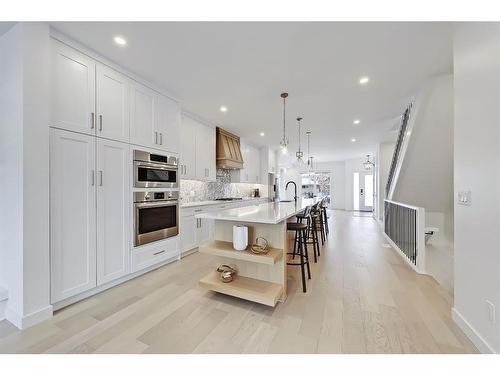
[(362, 299)]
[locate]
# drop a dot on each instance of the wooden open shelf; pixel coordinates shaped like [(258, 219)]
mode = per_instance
[(225, 249), (247, 288)]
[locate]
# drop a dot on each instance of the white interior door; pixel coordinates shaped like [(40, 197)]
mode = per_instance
[(113, 210), (112, 104), (72, 214), (365, 191)]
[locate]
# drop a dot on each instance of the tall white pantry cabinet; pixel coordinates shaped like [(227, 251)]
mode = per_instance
[(97, 113)]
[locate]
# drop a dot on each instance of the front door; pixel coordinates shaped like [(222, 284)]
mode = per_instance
[(366, 191)]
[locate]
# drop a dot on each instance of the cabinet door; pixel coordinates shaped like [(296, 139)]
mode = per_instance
[(188, 230), (187, 166), (205, 152), (167, 123), (113, 210), (142, 116), (72, 90), (72, 214), (203, 231), (113, 95)]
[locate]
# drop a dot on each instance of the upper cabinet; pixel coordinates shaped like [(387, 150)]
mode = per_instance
[(72, 90), (113, 95), (267, 163), (142, 116), (167, 123), (91, 98), (197, 155), (154, 119), (251, 165)]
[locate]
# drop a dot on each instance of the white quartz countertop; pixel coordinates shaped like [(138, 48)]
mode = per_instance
[(265, 213), (211, 202)]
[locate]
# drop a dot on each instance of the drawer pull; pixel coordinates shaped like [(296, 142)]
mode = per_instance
[(198, 210), (159, 252)]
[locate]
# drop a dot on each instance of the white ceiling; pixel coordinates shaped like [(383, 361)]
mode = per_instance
[(245, 66)]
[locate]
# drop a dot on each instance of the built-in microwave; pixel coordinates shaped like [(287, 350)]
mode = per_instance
[(155, 171), (156, 216)]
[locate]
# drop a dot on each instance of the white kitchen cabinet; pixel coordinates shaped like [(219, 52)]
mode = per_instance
[(112, 99), (197, 155), (167, 123), (187, 167), (72, 214), (142, 116), (188, 229), (205, 153), (251, 165), (113, 210), (267, 164), (72, 90)]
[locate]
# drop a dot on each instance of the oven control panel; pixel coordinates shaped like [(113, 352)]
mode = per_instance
[(153, 196)]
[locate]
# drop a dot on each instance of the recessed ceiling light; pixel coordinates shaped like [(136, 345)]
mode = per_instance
[(262, 134), (120, 41), (353, 139), (223, 109), (356, 122), (364, 80)]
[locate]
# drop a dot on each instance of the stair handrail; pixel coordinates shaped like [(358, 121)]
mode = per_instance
[(397, 149)]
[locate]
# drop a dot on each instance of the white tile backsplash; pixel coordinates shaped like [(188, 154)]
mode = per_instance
[(194, 190)]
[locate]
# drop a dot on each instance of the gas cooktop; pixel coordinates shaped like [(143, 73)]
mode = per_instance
[(228, 199)]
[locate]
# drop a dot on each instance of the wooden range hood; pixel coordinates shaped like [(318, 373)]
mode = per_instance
[(228, 154)]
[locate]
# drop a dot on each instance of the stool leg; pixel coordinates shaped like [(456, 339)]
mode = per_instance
[(321, 230), (325, 215), (306, 254), (314, 237), (302, 270), (295, 245)]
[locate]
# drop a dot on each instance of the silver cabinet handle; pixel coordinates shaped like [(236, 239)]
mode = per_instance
[(100, 178), (100, 123), (92, 174), (198, 210), (159, 252), (161, 138), (92, 120), (156, 138)]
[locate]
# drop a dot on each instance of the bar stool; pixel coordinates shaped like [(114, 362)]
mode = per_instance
[(324, 205), (300, 230), (312, 232), (316, 209)]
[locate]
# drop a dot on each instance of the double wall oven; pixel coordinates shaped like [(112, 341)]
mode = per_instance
[(156, 211)]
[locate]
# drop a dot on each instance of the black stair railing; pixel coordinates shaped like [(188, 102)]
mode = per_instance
[(397, 150)]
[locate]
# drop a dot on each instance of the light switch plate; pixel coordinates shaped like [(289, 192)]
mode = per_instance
[(464, 198)]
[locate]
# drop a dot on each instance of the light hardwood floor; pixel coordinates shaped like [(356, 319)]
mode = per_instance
[(362, 299)]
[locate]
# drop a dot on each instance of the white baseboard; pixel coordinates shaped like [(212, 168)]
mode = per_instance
[(29, 320), (480, 343)]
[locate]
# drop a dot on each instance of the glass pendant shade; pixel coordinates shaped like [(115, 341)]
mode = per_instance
[(368, 165)]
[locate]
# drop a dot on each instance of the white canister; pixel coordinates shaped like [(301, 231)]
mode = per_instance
[(240, 237)]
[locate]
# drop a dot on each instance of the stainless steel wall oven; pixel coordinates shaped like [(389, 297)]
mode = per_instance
[(155, 171), (156, 216)]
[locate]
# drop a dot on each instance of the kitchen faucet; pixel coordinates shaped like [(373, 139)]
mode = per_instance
[(295, 189)]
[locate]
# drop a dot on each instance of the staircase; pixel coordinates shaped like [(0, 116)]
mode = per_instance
[(399, 150)]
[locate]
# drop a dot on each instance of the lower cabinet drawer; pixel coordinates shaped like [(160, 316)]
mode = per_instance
[(149, 255)]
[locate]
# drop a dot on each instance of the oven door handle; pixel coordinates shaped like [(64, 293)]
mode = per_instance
[(152, 205), (168, 167)]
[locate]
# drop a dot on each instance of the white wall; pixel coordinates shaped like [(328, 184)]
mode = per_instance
[(337, 182), (383, 164), (426, 175), (11, 161), (24, 161), (477, 155)]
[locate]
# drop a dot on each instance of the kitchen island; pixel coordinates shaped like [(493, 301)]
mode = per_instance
[(261, 278)]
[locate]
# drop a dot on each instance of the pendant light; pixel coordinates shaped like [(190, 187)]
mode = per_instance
[(299, 162), (309, 160), (368, 164), (284, 140)]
